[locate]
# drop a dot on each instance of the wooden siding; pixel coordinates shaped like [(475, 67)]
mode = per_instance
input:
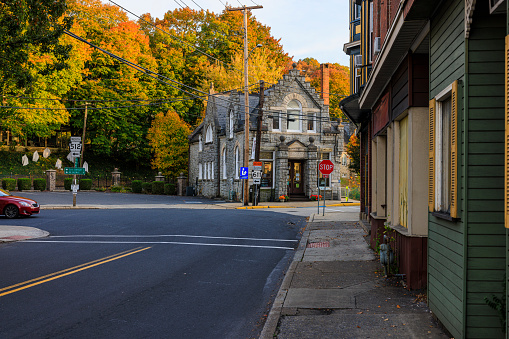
[(399, 84), (419, 82), (446, 271), (486, 237)]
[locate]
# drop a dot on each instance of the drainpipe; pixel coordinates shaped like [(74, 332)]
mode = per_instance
[(218, 168)]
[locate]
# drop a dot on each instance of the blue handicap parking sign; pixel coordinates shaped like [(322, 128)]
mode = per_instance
[(244, 173)]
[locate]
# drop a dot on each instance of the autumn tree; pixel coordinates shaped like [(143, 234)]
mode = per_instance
[(353, 150), (168, 138)]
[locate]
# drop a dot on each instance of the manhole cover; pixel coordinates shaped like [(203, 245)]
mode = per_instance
[(318, 244)]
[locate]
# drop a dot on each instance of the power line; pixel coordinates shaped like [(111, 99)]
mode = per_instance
[(178, 4), (198, 5)]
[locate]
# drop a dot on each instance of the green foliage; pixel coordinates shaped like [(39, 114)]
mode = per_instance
[(136, 186), (24, 184), (499, 305), (158, 187), (85, 184), (170, 189), (67, 183), (9, 184), (40, 184), (147, 187), (116, 189)]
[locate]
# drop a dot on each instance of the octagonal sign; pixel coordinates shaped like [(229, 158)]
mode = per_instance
[(326, 167)]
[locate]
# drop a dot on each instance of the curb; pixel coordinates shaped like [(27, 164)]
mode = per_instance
[(270, 327), (293, 206), (69, 207)]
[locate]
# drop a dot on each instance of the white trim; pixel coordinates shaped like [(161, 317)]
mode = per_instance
[(420, 38)]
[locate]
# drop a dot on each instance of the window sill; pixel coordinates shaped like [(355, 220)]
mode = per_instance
[(444, 216), (404, 231), (374, 216)]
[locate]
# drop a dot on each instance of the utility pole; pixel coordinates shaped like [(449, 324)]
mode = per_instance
[(259, 121), (84, 130), (244, 10)]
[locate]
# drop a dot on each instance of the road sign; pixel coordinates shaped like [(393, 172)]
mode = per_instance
[(257, 181), (75, 146), (256, 174), (244, 173), (74, 170), (326, 167), (75, 188)]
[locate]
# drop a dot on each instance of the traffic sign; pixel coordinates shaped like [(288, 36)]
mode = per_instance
[(326, 167), (256, 174), (244, 173), (75, 146), (257, 181), (74, 170)]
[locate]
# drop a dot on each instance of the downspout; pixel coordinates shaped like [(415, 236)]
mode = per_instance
[(218, 169)]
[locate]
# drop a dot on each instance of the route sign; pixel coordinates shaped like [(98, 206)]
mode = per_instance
[(74, 170), (256, 174), (244, 173), (75, 146), (257, 165), (257, 181), (326, 167)]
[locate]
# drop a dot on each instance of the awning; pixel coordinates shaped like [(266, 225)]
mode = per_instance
[(350, 106)]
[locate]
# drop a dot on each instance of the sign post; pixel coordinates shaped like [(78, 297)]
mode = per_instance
[(325, 167), (75, 148), (257, 180)]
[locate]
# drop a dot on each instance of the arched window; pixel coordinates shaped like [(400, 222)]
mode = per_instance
[(231, 125), (293, 116), (200, 143), (208, 136), (237, 162), (223, 163)]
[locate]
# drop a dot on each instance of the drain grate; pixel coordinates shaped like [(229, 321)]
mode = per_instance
[(318, 244)]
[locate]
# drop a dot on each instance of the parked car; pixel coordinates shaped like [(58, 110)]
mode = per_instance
[(12, 206)]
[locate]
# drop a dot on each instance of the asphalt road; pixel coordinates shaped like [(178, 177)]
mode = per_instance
[(158, 273)]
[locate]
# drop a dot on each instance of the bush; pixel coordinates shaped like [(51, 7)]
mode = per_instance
[(137, 186), (24, 184), (85, 184), (40, 184), (9, 184), (67, 183), (147, 187), (169, 189), (116, 189), (158, 187)]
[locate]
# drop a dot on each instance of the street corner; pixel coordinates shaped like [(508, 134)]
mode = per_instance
[(18, 233)]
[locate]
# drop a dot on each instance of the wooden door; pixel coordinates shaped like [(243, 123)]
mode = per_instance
[(296, 181)]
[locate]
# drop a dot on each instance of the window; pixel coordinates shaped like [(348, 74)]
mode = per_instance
[(357, 11), (231, 125), (357, 84), (223, 163), (344, 160), (212, 170), (276, 121), (311, 122), (321, 180), (200, 171), (293, 114), (208, 136), (237, 163), (443, 152), (200, 143), (267, 169)]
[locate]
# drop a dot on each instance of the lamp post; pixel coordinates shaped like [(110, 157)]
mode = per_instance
[(246, 99)]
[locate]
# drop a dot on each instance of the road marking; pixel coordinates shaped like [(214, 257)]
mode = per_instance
[(165, 235), (68, 271), (154, 242)]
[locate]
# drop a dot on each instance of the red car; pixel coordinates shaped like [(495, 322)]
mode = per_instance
[(12, 206)]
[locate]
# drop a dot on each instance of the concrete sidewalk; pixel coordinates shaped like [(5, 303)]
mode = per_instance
[(335, 288)]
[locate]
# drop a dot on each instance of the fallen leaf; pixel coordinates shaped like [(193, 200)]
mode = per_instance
[(397, 306), (358, 326), (359, 312), (386, 319)]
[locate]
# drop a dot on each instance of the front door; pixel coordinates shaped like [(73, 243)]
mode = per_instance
[(296, 180)]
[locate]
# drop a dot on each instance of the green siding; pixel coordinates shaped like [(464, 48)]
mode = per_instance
[(446, 271), (486, 250)]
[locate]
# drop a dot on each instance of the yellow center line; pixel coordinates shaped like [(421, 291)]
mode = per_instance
[(70, 271)]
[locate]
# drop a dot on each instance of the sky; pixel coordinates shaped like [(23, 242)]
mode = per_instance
[(316, 29)]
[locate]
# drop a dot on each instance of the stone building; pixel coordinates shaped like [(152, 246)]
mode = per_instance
[(296, 133)]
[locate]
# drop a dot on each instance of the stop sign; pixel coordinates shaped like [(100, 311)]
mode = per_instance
[(326, 167)]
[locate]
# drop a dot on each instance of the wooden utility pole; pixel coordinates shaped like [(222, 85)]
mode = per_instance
[(84, 130), (259, 121), (244, 10)]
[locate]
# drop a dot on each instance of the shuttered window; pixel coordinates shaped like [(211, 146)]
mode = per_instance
[(443, 152)]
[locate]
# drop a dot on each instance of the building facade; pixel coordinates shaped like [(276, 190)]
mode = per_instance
[(296, 133), (437, 95)]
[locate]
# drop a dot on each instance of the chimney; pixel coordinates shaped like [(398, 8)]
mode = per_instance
[(324, 68)]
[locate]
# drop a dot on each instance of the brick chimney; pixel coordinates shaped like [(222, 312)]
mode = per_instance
[(324, 68)]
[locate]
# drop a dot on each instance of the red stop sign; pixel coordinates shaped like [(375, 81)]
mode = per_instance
[(326, 167)]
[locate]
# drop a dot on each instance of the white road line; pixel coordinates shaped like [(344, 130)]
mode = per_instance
[(164, 235), (155, 242)]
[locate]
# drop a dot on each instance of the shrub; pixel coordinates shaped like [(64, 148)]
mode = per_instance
[(147, 187), (24, 184), (158, 187), (137, 186), (9, 184), (40, 184), (67, 183), (100, 189), (85, 184), (116, 189), (169, 189)]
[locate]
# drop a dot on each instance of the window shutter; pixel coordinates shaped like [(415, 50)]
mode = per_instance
[(506, 150), (454, 150), (431, 168)]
